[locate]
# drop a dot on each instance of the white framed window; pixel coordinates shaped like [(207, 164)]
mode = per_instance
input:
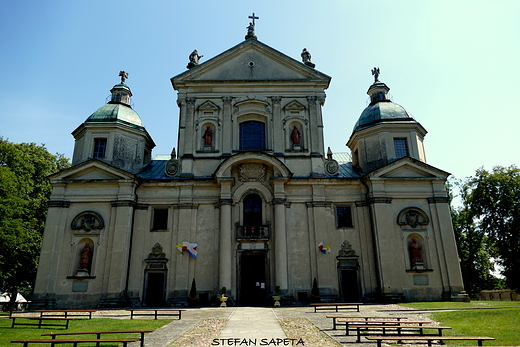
[(401, 147)]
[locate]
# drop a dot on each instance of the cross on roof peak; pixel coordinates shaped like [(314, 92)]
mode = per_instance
[(253, 18)]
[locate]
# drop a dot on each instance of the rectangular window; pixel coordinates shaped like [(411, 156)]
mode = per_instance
[(344, 217), (100, 148), (401, 148), (160, 219), (252, 135)]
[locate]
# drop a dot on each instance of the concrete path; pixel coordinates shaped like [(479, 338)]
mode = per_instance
[(262, 323), (252, 323)]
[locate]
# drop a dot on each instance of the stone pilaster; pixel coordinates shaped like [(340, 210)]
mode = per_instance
[(227, 126), (189, 119), (313, 117), (278, 133)]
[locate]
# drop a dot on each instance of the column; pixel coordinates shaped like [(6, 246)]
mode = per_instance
[(226, 235), (280, 244)]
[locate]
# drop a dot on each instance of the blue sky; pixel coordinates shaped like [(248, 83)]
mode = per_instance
[(452, 64)]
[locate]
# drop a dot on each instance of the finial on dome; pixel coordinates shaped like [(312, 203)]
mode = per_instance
[(173, 154), (121, 92), (376, 72), (124, 75), (329, 153)]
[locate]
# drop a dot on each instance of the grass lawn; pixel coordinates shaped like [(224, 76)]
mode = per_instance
[(7, 334), (495, 321)]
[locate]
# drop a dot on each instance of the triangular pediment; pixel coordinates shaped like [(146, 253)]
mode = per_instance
[(91, 170), (294, 106), (409, 168), (252, 61), (208, 106)]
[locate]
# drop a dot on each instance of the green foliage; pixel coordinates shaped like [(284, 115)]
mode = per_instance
[(24, 195), (476, 250), (494, 201)]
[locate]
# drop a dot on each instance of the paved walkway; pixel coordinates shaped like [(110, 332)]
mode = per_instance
[(252, 323), (257, 323)]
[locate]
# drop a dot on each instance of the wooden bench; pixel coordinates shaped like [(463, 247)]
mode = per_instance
[(429, 339), (41, 320), (156, 312), (336, 305), (99, 333), (396, 330), (336, 319), (75, 342), (348, 323), (66, 313)]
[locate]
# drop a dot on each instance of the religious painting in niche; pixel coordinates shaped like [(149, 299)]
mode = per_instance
[(415, 249), (85, 252), (160, 218), (88, 221), (296, 137), (207, 138), (344, 217)]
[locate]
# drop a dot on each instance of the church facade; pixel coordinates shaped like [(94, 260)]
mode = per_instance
[(250, 200)]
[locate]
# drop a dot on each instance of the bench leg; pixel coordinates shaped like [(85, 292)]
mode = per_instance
[(142, 339)]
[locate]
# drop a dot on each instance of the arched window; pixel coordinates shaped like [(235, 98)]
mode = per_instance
[(252, 135), (253, 216), (252, 210)]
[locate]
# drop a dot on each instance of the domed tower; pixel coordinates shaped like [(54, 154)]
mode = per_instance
[(384, 132), (114, 133)]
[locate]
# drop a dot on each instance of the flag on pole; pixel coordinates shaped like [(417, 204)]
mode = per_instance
[(324, 249), (190, 248)]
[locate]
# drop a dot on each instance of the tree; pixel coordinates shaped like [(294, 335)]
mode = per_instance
[(24, 195), (475, 249), (494, 201)]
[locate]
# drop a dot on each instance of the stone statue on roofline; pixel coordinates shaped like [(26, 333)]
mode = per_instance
[(306, 58), (376, 72), (194, 59)]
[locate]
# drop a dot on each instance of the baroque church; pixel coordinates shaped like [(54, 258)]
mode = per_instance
[(250, 201)]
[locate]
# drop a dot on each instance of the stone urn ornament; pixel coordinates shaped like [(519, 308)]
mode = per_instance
[(222, 297), (277, 296)]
